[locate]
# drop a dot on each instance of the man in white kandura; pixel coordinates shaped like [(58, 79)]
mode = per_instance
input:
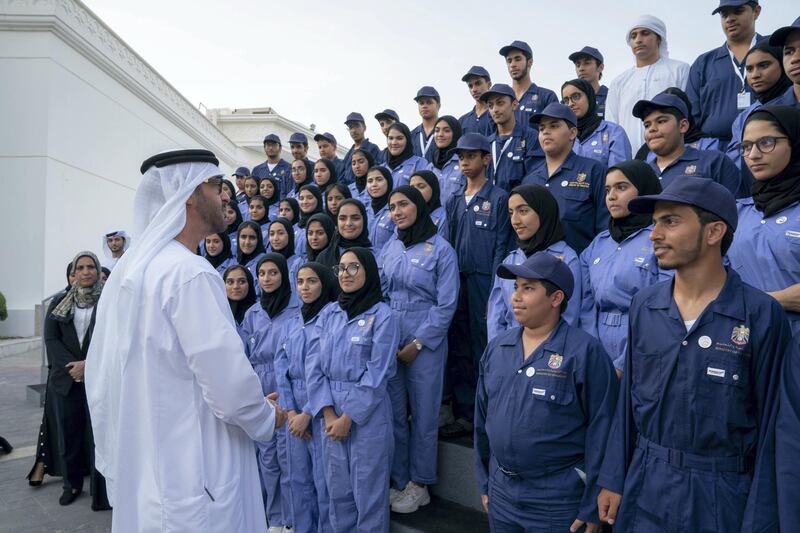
[(174, 402)]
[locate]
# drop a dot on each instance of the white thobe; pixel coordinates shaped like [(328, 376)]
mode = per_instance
[(642, 83), (190, 408)]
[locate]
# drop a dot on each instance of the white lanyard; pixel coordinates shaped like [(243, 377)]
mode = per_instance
[(736, 69), (495, 157), (424, 145)]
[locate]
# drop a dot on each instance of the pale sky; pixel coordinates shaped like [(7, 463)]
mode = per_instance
[(314, 61)]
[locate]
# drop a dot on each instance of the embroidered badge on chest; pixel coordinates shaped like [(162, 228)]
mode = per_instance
[(555, 361), (740, 335), (690, 169)]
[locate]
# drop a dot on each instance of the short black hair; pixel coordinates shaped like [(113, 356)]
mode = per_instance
[(550, 288), (707, 217)]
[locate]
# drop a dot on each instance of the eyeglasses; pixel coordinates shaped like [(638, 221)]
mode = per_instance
[(351, 269), (575, 97), (765, 145), (215, 181)]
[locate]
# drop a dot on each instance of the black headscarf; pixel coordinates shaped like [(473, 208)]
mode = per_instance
[(330, 230), (361, 181), (644, 178), (783, 82), (295, 209), (329, 292), (331, 169), (309, 175), (395, 161), (361, 300), (423, 227), (288, 251), (313, 189), (265, 219), (378, 202), (433, 182), (231, 187), (240, 308), (234, 226), (330, 255), (589, 122), (544, 204), (241, 257), (275, 302), (343, 189), (442, 155), (782, 190), (276, 191), (224, 255)]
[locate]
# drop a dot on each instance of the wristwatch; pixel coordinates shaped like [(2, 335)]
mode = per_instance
[(417, 344)]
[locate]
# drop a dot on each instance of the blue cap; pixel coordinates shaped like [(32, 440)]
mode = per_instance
[(542, 266), (704, 193), (474, 141), (517, 45), (556, 110), (586, 51), (272, 138), (387, 113), (660, 101), (299, 138), (241, 172), (729, 3), (325, 137), (499, 89), (427, 92), (778, 38), (354, 117), (476, 72)]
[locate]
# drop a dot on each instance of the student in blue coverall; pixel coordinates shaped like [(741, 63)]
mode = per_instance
[(360, 162), (428, 104), (692, 447), (241, 292), (326, 144), (426, 182), (356, 126), (274, 166), (386, 118), (589, 65), (419, 275), (545, 402), (446, 133), (401, 159), (478, 120), (250, 247), (479, 233), (531, 97), (349, 362), (379, 224), (239, 175)]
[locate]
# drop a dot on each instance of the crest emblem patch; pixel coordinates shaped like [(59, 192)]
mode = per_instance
[(555, 361)]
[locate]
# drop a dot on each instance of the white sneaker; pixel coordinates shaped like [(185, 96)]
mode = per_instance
[(446, 415), (413, 498), (395, 494)]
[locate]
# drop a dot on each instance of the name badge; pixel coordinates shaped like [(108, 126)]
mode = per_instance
[(538, 392), (743, 100), (716, 372)]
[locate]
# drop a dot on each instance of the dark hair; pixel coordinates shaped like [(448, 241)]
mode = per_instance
[(105, 271), (259, 198), (587, 56), (707, 217), (550, 288), (766, 117)]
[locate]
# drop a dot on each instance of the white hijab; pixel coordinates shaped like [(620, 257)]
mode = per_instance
[(654, 24), (159, 216)]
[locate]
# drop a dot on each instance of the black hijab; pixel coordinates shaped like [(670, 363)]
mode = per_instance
[(234, 226), (591, 120), (343, 189), (313, 189), (395, 161), (378, 202), (433, 182), (544, 204), (328, 226), (231, 187), (288, 251), (241, 257), (782, 190), (644, 178), (442, 155), (309, 176), (295, 209), (276, 192), (363, 299), (783, 82), (275, 302), (330, 255), (361, 181), (423, 227), (329, 292), (265, 219), (224, 255), (334, 177), (240, 308)]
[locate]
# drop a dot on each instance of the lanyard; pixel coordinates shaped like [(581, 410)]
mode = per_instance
[(495, 157), (422, 144), (736, 69)]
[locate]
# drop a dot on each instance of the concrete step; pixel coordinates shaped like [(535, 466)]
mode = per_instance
[(441, 516), (457, 473), (16, 346)]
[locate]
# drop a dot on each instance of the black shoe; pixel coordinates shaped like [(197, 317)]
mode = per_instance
[(101, 507), (458, 428), (69, 496), (5, 446)]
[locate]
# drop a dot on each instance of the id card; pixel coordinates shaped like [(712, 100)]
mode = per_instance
[(743, 100)]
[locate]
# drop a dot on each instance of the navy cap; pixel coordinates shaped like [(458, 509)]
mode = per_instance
[(241, 172), (499, 89), (427, 92), (476, 72), (556, 110), (299, 138), (474, 141), (325, 137), (586, 51), (778, 38), (272, 138), (354, 117), (517, 45), (704, 193), (388, 113), (729, 3), (660, 101), (542, 266)]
